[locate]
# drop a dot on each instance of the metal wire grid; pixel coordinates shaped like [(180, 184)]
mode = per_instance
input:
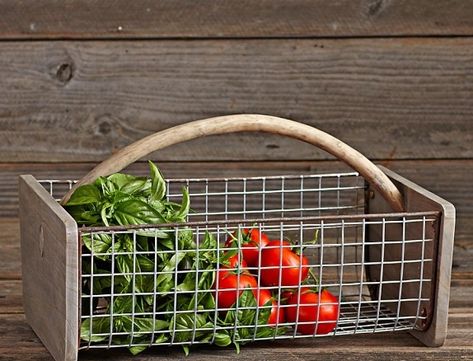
[(359, 311), (259, 197), (270, 197), (339, 258)]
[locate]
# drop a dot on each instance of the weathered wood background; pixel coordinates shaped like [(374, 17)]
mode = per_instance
[(393, 78)]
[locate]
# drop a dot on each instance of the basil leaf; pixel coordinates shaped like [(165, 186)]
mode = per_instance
[(135, 350), (125, 266), (124, 243), (188, 284), (161, 338), (121, 179), (167, 242), (222, 338), (230, 317), (145, 263), (181, 214), (134, 211), (164, 280), (99, 325), (208, 301), (158, 185), (142, 244), (237, 346), (135, 186), (85, 194), (122, 304), (183, 325), (209, 241), (146, 324), (185, 239), (98, 243), (104, 214), (247, 316), (265, 312), (151, 233), (83, 215), (264, 332), (107, 186)]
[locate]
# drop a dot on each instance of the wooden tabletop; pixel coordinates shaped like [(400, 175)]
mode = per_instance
[(18, 341)]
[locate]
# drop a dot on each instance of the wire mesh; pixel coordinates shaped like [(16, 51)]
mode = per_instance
[(158, 286)]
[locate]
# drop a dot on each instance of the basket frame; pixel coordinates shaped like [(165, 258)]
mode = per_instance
[(419, 199), (50, 269), (51, 253)]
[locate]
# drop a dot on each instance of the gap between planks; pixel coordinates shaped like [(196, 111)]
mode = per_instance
[(82, 19)]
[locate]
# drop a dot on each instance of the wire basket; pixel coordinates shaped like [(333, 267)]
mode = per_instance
[(389, 271)]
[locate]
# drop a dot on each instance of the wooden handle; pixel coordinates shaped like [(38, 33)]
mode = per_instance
[(247, 123)]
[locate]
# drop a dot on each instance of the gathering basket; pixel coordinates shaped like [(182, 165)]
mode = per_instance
[(378, 242)]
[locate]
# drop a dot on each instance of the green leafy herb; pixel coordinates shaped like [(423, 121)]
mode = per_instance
[(164, 271)]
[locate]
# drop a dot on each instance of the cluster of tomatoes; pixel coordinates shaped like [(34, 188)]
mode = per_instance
[(281, 268)]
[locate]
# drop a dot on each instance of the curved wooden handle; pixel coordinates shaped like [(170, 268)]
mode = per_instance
[(246, 123)]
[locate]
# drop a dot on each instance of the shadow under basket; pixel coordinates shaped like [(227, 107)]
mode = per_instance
[(389, 270)]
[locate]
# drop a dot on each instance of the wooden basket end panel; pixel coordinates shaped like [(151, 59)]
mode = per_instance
[(50, 272), (440, 250), (437, 333)]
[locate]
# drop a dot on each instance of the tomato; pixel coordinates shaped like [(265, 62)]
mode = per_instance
[(309, 307), (232, 263), (286, 295), (227, 287), (251, 241), (265, 297), (292, 271)]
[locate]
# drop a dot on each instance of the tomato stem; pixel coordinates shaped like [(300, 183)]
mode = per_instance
[(312, 274)]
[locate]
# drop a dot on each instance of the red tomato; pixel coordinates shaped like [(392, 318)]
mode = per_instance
[(308, 309), (292, 271), (251, 241), (227, 287), (264, 297), (232, 263)]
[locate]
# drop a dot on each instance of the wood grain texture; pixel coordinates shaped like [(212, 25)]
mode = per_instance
[(10, 266), (389, 98), (11, 297), (50, 270), (418, 199), (387, 346), (80, 19)]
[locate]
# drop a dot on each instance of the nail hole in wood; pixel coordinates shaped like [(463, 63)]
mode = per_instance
[(423, 313)]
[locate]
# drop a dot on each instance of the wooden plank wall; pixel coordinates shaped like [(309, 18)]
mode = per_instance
[(79, 19), (393, 78)]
